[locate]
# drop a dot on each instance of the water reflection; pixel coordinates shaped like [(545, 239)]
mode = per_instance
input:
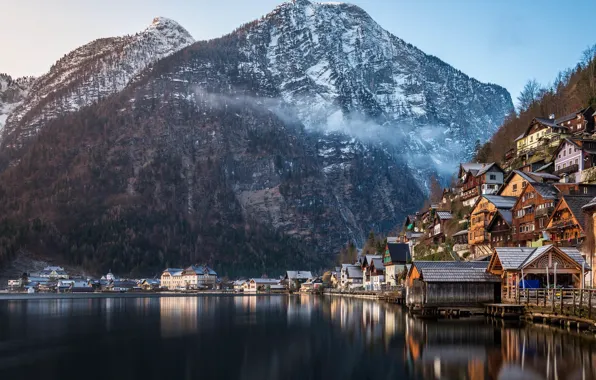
[(274, 337)]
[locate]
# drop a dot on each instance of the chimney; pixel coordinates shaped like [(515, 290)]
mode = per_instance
[(551, 116)]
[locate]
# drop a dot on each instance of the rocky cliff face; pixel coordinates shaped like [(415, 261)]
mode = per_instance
[(91, 73), (267, 148), (12, 93)]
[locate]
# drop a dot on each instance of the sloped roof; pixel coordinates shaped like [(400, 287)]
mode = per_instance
[(590, 204), (543, 167), (399, 252), (354, 272), (501, 202), (516, 258), (576, 203), (174, 271), (546, 190), (467, 166), (520, 137), (265, 281), (455, 271), (201, 269), (444, 215), (547, 122), (506, 215), (570, 116), (513, 257), (544, 176), (460, 233), (378, 263), (298, 275)]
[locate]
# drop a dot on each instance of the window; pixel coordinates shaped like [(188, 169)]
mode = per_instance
[(524, 184), (541, 222), (563, 153), (576, 161), (514, 187), (493, 177), (585, 190)]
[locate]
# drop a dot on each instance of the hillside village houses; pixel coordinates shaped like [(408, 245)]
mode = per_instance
[(545, 197)]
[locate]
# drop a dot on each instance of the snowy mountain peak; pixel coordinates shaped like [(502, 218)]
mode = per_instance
[(90, 73)]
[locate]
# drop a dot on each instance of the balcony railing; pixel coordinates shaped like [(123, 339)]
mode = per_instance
[(544, 211), (568, 170)]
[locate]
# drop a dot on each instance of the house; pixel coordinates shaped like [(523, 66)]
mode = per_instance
[(484, 210), (54, 273), (531, 213), (122, 286), (567, 224), (377, 274), (199, 277), (150, 284), (395, 258), (579, 122), (74, 286), (451, 283), (499, 229), (238, 285), (350, 276), (476, 179), (540, 133), (517, 181), (574, 157), (365, 263), (312, 285), (539, 264), (263, 284), (437, 229), (171, 279), (589, 211), (15, 284), (295, 278)]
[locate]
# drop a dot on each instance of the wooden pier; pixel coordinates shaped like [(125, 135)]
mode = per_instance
[(504, 310)]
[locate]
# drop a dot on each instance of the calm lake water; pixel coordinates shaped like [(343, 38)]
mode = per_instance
[(272, 337)]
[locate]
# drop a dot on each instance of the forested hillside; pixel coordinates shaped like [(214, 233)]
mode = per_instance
[(571, 90)]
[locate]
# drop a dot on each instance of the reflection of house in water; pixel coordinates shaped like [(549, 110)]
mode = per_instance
[(178, 315), (475, 350), (300, 308)]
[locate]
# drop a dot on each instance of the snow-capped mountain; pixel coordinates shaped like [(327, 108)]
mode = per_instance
[(12, 93), (91, 73), (269, 147)]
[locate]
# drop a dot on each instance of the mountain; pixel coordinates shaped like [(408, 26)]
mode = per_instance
[(265, 149), (12, 93), (89, 74)]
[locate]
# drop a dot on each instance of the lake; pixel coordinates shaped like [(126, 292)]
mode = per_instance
[(272, 337)]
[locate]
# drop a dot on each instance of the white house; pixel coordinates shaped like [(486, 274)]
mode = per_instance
[(53, 273), (239, 285), (350, 276), (261, 284), (171, 279), (296, 278), (199, 277)]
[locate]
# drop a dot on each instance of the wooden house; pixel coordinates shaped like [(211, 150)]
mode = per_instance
[(437, 229), (590, 245), (517, 181), (531, 213), (499, 229), (451, 283), (514, 264), (540, 133), (460, 237), (476, 179), (396, 256), (567, 224), (484, 210), (579, 122)]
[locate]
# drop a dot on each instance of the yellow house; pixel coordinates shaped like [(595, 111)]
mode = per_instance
[(482, 214), (517, 181), (539, 133)]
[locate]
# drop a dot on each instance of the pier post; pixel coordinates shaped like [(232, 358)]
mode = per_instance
[(573, 302), (589, 304)]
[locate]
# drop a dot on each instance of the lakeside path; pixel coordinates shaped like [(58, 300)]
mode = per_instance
[(49, 296)]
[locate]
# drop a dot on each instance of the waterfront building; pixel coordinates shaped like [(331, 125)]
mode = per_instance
[(263, 284), (365, 263), (149, 284), (199, 277), (396, 256), (377, 274), (451, 283), (52, 272), (350, 276), (171, 279), (295, 278), (238, 285), (545, 265)]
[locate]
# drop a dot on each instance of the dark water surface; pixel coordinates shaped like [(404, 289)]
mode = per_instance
[(272, 337)]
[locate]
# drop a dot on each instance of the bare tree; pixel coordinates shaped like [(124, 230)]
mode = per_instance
[(529, 94)]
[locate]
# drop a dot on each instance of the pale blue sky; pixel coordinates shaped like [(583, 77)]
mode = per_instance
[(500, 41)]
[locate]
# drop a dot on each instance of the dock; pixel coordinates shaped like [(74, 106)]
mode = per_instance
[(504, 310)]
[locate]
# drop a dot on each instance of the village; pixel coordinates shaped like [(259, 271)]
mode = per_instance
[(505, 233)]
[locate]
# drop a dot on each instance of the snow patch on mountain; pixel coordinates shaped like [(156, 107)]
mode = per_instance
[(90, 73)]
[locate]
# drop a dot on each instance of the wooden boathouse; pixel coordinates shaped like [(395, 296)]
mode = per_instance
[(433, 285)]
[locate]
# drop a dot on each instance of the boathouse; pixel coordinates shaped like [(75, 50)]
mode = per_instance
[(451, 283), (539, 267)]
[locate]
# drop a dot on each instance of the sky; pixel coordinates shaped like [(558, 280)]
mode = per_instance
[(505, 42)]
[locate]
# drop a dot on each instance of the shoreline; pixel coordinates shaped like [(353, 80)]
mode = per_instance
[(50, 296)]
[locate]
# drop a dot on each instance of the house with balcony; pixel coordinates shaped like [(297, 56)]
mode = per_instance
[(366, 266), (540, 133), (579, 122), (573, 157), (567, 224), (199, 277), (437, 230), (476, 179), (531, 213), (482, 214), (499, 229)]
